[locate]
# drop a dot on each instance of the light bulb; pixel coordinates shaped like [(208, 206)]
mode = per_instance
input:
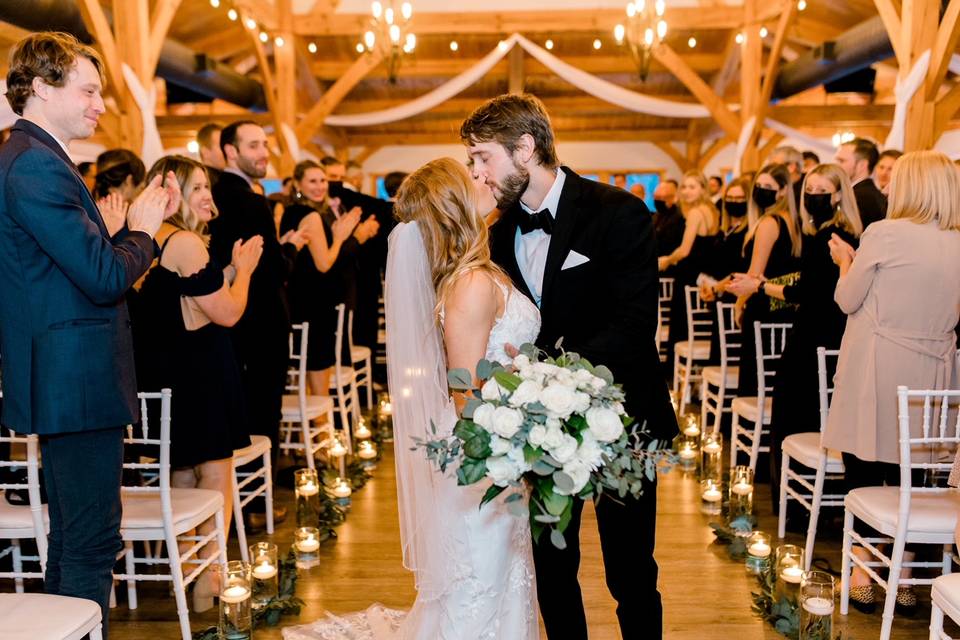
[(193, 146), (232, 15), (264, 37), (648, 36), (692, 42), (453, 45), (312, 47), (406, 10), (377, 9), (395, 33), (739, 38), (618, 32), (801, 5), (763, 32), (631, 11), (388, 15), (411, 42), (660, 7), (597, 44), (360, 48), (549, 45), (641, 5), (251, 23), (215, 4), (662, 29), (369, 39), (502, 45), (278, 41)]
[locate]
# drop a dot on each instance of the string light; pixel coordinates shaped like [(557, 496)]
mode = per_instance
[(549, 45), (278, 41), (692, 42), (597, 44), (763, 32), (232, 14), (312, 47), (801, 5), (251, 23), (502, 45), (193, 146), (360, 47), (739, 38), (215, 4), (453, 45), (264, 37)]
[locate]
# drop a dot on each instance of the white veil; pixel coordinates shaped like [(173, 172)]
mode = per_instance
[(417, 375)]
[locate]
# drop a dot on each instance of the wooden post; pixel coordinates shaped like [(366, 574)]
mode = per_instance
[(751, 52), (516, 79), (285, 81)]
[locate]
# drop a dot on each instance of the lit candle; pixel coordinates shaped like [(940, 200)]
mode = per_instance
[(692, 430), (792, 575), (264, 571), (341, 489), (759, 549), (362, 432), (308, 489), (712, 495), (234, 594), (367, 451), (818, 606), (712, 447), (742, 488), (687, 453), (337, 449), (308, 544)]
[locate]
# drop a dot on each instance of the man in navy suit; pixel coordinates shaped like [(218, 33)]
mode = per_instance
[(65, 343)]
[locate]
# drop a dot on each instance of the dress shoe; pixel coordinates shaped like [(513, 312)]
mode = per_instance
[(862, 599), (906, 602)]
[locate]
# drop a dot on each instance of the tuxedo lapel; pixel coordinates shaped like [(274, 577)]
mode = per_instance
[(564, 224), (504, 250)]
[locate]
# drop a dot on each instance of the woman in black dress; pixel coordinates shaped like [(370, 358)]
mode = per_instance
[(324, 269), (829, 207), (187, 301)]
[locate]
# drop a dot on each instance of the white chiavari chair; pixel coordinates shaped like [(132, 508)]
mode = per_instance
[(362, 358), (23, 522), (663, 316), (343, 385), (31, 616), (690, 354), (723, 378), (249, 483), (300, 409)]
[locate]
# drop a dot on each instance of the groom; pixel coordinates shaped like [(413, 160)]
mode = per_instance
[(585, 253)]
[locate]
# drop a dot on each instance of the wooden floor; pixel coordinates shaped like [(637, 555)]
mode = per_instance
[(706, 595)]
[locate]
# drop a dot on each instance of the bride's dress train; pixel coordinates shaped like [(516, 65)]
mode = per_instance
[(474, 566)]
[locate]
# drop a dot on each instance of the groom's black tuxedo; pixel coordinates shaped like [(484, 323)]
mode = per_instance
[(605, 309)]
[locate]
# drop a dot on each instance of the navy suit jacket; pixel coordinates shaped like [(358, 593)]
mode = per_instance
[(65, 342)]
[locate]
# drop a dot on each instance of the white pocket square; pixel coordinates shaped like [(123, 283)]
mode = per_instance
[(574, 259)]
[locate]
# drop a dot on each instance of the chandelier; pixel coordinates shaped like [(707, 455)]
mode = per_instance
[(644, 30), (390, 31)]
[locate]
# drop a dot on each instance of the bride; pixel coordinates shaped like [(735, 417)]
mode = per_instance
[(447, 306)]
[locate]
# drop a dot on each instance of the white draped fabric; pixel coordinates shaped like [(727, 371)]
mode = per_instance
[(904, 92), (146, 99)]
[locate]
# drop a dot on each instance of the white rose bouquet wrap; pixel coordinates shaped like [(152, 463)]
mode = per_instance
[(555, 425)]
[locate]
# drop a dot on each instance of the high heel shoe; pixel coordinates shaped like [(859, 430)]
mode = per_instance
[(906, 602), (204, 589), (862, 599)]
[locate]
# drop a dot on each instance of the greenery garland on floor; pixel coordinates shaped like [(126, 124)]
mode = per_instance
[(285, 603)]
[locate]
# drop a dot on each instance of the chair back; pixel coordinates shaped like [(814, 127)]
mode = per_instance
[(931, 448), (148, 470), (297, 373), (31, 464), (771, 339), (664, 304), (350, 330), (698, 316), (730, 336), (338, 339), (824, 380)]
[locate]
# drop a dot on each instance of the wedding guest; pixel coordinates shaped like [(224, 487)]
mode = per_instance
[(667, 221), (187, 302), (639, 190), (319, 280), (810, 160), (884, 169), (828, 209), (211, 155), (716, 190), (858, 158), (65, 344), (392, 182), (354, 176), (902, 298), (793, 160), (773, 243), (88, 171), (620, 180), (728, 254), (260, 336), (121, 172)]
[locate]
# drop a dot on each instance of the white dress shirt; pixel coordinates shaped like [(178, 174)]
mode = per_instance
[(531, 248)]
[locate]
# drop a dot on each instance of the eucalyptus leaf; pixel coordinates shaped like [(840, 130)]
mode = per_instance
[(557, 504), (557, 539), (484, 369), (470, 407), (508, 381), (563, 481), (603, 373), (543, 468), (459, 380), (491, 493), (556, 347), (518, 509), (513, 497), (546, 518)]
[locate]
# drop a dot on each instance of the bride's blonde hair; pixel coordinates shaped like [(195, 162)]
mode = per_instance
[(440, 196)]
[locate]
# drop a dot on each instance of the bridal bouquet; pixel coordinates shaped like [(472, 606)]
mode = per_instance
[(557, 426)]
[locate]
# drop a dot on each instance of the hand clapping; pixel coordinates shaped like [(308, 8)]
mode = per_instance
[(246, 255), (113, 208), (742, 284), (146, 213), (840, 251)]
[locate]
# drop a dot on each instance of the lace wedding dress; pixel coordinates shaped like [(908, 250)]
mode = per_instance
[(474, 567)]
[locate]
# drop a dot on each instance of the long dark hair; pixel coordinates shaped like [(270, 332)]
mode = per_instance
[(114, 166)]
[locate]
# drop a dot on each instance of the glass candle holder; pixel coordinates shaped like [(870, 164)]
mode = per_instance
[(385, 417), (758, 552), (741, 491), (816, 606), (307, 542), (790, 563), (367, 453), (307, 489), (688, 451), (675, 401), (264, 572), (711, 496), (236, 620), (341, 492), (362, 432), (711, 447), (691, 425)]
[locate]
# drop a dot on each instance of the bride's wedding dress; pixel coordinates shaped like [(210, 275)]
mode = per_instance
[(474, 567)]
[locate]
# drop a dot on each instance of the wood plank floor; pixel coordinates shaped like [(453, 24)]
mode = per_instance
[(706, 595)]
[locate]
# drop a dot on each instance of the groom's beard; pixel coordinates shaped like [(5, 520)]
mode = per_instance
[(508, 191)]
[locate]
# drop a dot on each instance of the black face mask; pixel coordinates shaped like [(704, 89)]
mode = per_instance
[(735, 209), (819, 206), (661, 206), (764, 198)]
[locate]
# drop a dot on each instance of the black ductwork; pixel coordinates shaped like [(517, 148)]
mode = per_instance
[(851, 51), (178, 63)]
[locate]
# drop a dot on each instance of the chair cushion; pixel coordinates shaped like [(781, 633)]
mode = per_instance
[(932, 515), (29, 616), (701, 349), (316, 406), (712, 375), (359, 353), (347, 375), (258, 446), (747, 408), (17, 518), (946, 593), (805, 449), (190, 506)]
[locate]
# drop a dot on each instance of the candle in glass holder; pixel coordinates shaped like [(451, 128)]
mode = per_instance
[(307, 540), (367, 451), (362, 432), (711, 496), (816, 605), (692, 427), (337, 450), (307, 489), (758, 552), (341, 489), (236, 620), (741, 490), (789, 571), (263, 560), (711, 446)]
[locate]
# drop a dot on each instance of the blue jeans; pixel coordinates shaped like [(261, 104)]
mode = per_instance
[(82, 472)]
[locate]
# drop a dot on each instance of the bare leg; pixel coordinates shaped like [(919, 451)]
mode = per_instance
[(859, 577), (319, 382), (185, 478)]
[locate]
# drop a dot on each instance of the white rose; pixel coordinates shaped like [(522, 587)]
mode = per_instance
[(583, 378), (492, 391), (553, 423), (498, 446), (565, 451), (516, 455), (579, 473), (618, 407), (605, 424), (581, 402), (528, 392), (565, 377), (501, 470), (553, 438), (598, 383), (589, 452), (538, 433), (506, 421), (483, 416), (521, 362), (558, 399)]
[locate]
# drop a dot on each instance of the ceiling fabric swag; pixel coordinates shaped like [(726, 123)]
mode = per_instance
[(584, 81)]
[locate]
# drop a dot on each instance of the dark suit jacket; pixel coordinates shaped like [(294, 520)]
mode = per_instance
[(871, 202), (604, 309), (65, 340)]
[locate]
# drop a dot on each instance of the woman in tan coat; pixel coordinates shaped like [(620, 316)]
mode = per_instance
[(901, 293)]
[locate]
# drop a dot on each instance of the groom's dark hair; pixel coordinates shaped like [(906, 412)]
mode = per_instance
[(505, 118)]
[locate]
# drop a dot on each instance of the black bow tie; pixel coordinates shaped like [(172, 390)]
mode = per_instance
[(539, 220)]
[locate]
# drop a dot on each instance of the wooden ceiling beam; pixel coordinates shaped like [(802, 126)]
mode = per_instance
[(163, 14), (948, 35), (315, 117), (563, 135)]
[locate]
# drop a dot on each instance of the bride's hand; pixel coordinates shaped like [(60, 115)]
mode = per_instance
[(511, 350)]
